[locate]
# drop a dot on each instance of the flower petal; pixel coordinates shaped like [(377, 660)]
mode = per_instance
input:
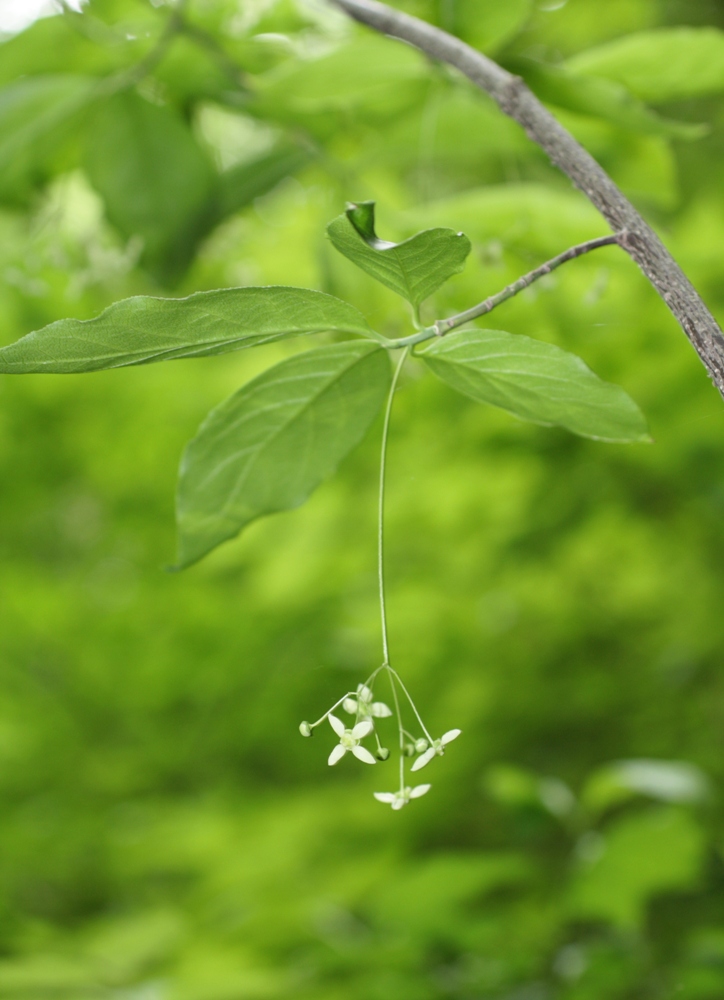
[(364, 693), (380, 710), (336, 754), (387, 797), (364, 755), (423, 759), (362, 729), (449, 736), (350, 705), (419, 790), (337, 725), (399, 802)]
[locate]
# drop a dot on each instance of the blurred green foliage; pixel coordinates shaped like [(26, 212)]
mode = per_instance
[(165, 834)]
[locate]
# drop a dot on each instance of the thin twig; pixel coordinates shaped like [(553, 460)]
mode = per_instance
[(517, 101), (444, 326)]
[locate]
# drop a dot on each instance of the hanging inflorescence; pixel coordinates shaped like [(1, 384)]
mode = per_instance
[(366, 714)]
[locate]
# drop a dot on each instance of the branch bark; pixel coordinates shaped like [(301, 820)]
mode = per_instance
[(517, 101)]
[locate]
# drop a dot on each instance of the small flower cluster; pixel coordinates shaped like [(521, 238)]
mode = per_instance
[(366, 711)]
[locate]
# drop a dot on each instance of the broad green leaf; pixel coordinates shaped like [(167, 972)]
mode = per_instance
[(599, 98), (155, 179), (36, 117), (143, 329), (661, 65), (267, 447), (535, 381), (240, 185), (415, 268)]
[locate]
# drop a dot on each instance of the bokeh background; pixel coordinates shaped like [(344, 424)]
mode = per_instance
[(165, 833)]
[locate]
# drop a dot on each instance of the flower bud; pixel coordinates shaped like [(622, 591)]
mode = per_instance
[(305, 729), (382, 753), (420, 745), (409, 749)]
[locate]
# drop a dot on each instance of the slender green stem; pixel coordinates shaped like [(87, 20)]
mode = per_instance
[(381, 509), (443, 326), (412, 705), (401, 731), (313, 725)]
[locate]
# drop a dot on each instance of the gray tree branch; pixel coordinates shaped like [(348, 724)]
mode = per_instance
[(518, 102)]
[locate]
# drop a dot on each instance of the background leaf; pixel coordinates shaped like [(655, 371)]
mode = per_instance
[(267, 447), (154, 178), (240, 185), (662, 65), (639, 856), (370, 76), (535, 381), (143, 329), (600, 98), (37, 116), (415, 268)]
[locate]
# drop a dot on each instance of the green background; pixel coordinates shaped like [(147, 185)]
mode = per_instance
[(165, 833)]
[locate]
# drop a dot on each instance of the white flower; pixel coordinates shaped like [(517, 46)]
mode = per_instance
[(436, 749), (363, 706), (349, 740), (399, 799)]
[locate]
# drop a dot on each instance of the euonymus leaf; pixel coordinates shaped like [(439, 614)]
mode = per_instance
[(154, 178), (661, 65), (143, 329), (535, 381), (267, 447), (35, 117), (415, 268)]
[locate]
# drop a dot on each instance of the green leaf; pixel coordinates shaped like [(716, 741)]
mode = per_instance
[(36, 117), (535, 381), (267, 447), (661, 65), (240, 185), (55, 45), (415, 268), (143, 329), (155, 179), (600, 98), (369, 78), (645, 854), (525, 215)]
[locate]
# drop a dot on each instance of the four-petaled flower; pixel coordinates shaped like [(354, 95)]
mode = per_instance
[(437, 748), (399, 799), (349, 740), (362, 706)]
